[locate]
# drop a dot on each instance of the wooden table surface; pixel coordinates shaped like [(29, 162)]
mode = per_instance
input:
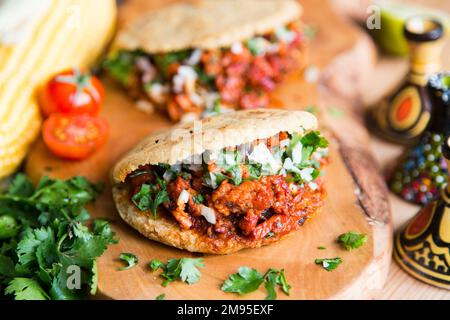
[(388, 75)]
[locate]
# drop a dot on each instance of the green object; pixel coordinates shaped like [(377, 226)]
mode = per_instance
[(162, 296), (390, 37), (184, 269), (246, 280), (352, 240), (130, 259), (54, 247), (8, 227), (274, 278), (329, 264)]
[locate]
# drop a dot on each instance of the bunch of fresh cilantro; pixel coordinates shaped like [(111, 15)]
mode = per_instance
[(47, 250)]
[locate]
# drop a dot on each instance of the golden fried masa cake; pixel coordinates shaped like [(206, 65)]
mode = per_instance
[(225, 183), (197, 58)]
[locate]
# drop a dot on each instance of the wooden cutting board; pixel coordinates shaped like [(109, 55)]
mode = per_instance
[(357, 197)]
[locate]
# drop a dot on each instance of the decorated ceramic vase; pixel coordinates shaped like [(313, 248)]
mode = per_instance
[(422, 172), (404, 116), (423, 248)]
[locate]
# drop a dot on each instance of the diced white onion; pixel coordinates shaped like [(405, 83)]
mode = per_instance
[(293, 187), (261, 154), (289, 166), (230, 159), (195, 57), (209, 214), (185, 78), (196, 99), (284, 143), (285, 35), (237, 48), (158, 92), (167, 176), (297, 153), (183, 198), (306, 174), (313, 186)]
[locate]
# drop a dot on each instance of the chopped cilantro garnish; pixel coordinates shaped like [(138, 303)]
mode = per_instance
[(150, 197), (352, 240), (163, 61), (162, 296), (321, 248), (26, 289), (131, 260), (199, 198), (329, 264), (184, 269), (247, 280), (274, 278), (54, 242), (120, 65)]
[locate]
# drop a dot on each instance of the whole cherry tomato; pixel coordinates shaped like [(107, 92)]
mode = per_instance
[(72, 92), (74, 137)]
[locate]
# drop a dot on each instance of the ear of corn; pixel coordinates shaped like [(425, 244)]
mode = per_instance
[(67, 33)]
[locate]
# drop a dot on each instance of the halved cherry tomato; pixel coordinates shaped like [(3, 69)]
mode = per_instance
[(74, 137), (72, 92)]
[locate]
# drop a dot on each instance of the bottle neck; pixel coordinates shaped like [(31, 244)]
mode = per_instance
[(425, 59)]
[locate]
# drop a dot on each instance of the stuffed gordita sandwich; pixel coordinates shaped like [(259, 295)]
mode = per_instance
[(204, 57), (225, 183)]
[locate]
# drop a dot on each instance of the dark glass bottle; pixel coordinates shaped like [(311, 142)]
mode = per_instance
[(404, 116), (423, 171)]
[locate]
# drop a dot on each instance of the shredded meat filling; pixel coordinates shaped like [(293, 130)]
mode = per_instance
[(255, 208)]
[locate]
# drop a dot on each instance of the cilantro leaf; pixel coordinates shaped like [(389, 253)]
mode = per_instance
[(271, 282), (21, 186), (314, 139), (27, 247), (189, 272), (120, 65), (199, 198), (329, 264), (26, 289), (53, 237), (163, 61), (162, 296), (103, 229), (156, 264), (184, 269), (143, 199), (246, 280), (161, 197), (150, 197), (352, 240), (274, 278), (230, 162), (130, 259)]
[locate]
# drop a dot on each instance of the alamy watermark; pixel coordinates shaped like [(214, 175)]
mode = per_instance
[(373, 21)]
